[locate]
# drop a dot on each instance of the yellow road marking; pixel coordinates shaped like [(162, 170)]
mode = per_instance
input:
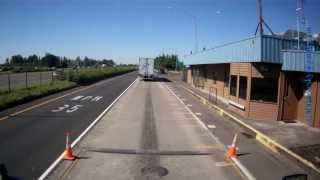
[(260, 137)]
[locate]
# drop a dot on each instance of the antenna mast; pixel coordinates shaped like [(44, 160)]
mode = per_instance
[(261, 21), (300, 18)]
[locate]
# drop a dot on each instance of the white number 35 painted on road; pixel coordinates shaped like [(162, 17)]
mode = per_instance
[(67, 108)]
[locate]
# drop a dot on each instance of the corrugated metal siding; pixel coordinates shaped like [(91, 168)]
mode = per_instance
[(256, 49), (248, 50), (272, 46), (295, 61)]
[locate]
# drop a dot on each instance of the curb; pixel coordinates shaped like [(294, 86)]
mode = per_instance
[(259, 136)]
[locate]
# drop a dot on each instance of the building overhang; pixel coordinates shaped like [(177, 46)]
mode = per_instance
[(266, 49), (294, 60)]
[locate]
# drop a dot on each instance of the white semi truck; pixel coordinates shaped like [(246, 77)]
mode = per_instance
[(146, 68)]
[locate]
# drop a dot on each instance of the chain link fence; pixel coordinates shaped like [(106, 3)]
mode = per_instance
[(11, 81)]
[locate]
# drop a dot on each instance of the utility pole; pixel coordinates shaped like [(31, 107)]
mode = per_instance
[(300, 18), (195, 27), (195, 34)]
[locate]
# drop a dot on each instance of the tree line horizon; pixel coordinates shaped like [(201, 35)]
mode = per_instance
[(51, 60)]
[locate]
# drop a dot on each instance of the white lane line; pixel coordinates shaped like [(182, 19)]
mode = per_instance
[(189, 105), (58, 160), (242, 168), (198, 114), (223, 164), (211, 126), (198, 120)]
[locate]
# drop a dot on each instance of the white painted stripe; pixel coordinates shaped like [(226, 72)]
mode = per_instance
[(223, 164), (76, 98), (211, 126), (240, 106), (189, 105), (198, 120), (243, 169), (198, 114), (57, 161)]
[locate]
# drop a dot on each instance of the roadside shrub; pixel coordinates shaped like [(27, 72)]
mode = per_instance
[(87, 76), (19, 96)]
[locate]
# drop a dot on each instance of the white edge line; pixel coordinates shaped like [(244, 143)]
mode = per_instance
[(242, 168), (57, 161)]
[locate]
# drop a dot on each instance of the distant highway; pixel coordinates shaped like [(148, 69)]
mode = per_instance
[(32, 140)]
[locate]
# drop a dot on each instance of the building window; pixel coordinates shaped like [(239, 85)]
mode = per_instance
[(233, 85), (204, 71), (214, 78), (243, 87), (264, 89), (226, 79)]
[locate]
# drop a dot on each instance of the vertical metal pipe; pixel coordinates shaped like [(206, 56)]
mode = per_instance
[(26, 79), (260, 18), (40, 78), (9, 82), (51, 76)]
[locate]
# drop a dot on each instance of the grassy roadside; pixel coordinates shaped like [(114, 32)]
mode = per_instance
[(19, 96), (68, 80), (87, 76)]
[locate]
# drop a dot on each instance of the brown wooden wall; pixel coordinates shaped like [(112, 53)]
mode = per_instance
[(292, 99), (263, 111), (219, 70), (257, 109), (189, 76), (252, 109)]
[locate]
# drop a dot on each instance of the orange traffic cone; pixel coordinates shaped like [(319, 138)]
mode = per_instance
[(232, 149), (68, 155)]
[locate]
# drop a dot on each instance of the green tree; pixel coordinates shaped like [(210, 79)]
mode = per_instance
[(33, 59), (50, 60), (17, 60), (166, 61)]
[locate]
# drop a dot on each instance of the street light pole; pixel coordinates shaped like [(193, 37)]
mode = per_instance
[(195, 28), (195, 34)]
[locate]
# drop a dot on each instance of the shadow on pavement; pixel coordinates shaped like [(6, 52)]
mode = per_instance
[(4, 174), (157, 79), (296, 177)]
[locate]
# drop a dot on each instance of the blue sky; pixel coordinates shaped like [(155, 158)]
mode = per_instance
[(126, 29)]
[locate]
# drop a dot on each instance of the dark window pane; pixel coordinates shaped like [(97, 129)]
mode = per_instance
[(233, 85), (226, 79), (264, 89), (243, 87), (214, 78)]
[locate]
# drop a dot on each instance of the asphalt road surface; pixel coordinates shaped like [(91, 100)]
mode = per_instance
[(32, 140), (149, 134)]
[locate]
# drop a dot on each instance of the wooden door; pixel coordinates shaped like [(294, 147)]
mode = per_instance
[(293, 92)]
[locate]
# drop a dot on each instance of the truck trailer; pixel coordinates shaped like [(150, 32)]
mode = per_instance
[(146, 68)]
